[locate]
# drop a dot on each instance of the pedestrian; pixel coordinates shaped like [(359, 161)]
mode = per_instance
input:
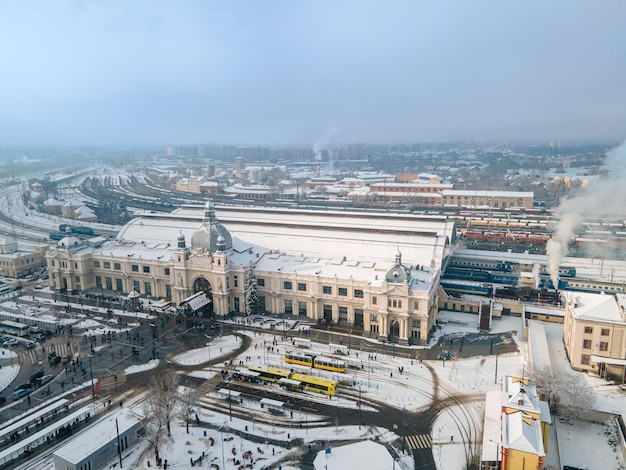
[(451, 439)]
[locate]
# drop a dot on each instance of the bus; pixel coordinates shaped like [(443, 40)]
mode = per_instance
[(13, 328)]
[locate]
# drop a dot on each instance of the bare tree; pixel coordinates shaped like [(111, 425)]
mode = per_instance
[(550, 384), (577, 398), (188, 401), (160, 407)]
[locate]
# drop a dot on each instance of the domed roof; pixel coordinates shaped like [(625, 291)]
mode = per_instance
[(399, 273), (69, 242), (211, 235)]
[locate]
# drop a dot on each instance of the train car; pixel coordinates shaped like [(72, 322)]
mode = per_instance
[(315, 384), (480, 264), (300, 358), (64, 228), (467, 274), (509, 279), (467, 288), (312, 360), (329, 363)]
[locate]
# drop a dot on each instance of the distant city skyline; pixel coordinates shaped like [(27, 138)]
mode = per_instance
[(311, 73)]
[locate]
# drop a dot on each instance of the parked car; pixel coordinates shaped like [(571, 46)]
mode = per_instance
[(66, 359), (21, 392), (38, 337), (35, 329), (37, 375), (3, 401), (45, 379), (22, 386), (51, 355), (9, 343), (55, 361)]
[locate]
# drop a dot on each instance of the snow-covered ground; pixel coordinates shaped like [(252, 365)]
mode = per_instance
[(9, 368), (410, 391)]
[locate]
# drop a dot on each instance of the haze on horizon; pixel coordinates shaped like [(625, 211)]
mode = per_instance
[(295, 72)]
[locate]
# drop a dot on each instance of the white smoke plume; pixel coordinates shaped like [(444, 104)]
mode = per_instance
[(601, 198), (536, 274)]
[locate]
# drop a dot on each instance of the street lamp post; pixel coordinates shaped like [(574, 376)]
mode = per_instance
[(359, 406), (153, 344), (496, 375), (208, 346), (497, 453), (403, 410), (93, 390), (230, 403)]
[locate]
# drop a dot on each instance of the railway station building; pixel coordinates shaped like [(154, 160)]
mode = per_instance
[(372, 271)]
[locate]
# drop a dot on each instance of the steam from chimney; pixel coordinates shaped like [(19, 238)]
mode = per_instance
[(601, 198), (536, 271)]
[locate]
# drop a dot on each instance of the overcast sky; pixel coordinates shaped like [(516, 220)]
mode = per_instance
[(285, 72)]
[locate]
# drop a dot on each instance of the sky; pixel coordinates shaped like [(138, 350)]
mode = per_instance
[(294, 72)]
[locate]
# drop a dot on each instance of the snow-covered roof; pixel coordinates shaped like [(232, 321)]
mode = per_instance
[(328, 234), (596, 307), (523, 433), (96, 436), (461, 192), (365, 455), (366, 271)]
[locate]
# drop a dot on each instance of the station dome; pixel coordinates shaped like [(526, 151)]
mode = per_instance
[(399, 273), (211, 235)]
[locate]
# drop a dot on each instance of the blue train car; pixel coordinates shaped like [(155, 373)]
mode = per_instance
[(467, 274), (509, 279), (467, 288)]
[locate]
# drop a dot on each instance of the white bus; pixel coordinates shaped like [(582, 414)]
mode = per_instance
[(13, 328)]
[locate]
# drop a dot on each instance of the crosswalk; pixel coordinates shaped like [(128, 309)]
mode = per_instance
[(418, 441), (34, 356)]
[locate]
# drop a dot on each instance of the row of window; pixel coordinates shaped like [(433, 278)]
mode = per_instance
[(17, 262), (118, 267), (119, 286), (603, 331), (301, 287), (604, 346)]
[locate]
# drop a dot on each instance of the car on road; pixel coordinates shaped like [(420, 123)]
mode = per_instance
[(30, 344), (55, 360), (35, 329), (39, 286), (34, 377), (21, 392), (9, 343), (66, 359), (45, 379), (3, 401), (38, 337)]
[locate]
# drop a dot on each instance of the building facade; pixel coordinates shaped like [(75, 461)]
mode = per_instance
[(333, 268), (594, 333)]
